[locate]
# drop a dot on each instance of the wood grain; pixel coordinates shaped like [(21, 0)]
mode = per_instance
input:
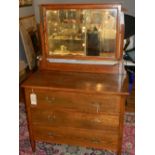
[(99, 139), (77, 82), (81, 103), (88, 103), (57, 118)]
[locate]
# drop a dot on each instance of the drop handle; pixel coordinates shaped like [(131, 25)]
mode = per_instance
[(96, 105), (96, 141), (97, 120), (51, 117), (51, 134), (50, 100)]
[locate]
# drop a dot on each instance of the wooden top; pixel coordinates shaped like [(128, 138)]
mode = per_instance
[(78, 82)]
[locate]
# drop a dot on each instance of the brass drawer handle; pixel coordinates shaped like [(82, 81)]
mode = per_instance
[(97, 105), (97, 120), (51, 117), (51, 134), (50, 100), (96, 141)]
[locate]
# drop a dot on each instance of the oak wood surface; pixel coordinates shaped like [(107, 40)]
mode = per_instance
[(121, 126), (31, 135), (89, 68), (87, 103), (99, 139), (77, 82), (80, 102), (57, 118)]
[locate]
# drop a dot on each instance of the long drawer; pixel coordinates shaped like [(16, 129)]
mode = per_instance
[(90, 103), (97, 139), (58, 118)]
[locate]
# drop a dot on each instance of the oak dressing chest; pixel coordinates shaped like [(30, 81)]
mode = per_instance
[(78, 95)]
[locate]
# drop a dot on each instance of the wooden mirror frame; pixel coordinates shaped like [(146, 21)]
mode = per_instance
[(92, 67)]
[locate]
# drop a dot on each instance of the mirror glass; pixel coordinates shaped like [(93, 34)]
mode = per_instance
[(81, 32)]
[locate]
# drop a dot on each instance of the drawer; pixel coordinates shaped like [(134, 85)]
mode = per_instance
[(57, 118), (99, 139), (92, 103)]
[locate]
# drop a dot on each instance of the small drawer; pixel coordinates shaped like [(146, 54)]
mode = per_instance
[(90, 103), (49, 117), (99, 139)]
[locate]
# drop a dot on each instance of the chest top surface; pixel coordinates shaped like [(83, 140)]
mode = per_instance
[(74, 81)]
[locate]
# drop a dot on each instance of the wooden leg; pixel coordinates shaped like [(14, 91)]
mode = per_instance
[(121, 124), (120, 151), (33, 145), (32, 141)]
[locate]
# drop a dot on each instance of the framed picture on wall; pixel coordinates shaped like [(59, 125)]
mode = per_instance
[(27, 28), (23, 3)]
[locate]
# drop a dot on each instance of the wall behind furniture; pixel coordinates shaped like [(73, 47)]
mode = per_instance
[(129, 4), (23, 12), (34, 9), (26, 11)]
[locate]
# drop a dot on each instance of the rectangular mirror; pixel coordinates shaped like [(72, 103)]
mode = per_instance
[(84, 32)]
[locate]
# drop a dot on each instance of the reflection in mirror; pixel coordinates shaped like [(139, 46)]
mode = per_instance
[(90, 32)]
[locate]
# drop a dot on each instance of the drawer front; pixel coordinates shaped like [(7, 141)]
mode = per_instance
[(104, 139), (92, 103), (57, 118)]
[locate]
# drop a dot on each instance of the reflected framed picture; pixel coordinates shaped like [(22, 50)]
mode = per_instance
[(24, 3)]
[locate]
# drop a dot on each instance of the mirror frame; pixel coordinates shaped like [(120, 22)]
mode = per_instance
[(44, 37), (47, 7)]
